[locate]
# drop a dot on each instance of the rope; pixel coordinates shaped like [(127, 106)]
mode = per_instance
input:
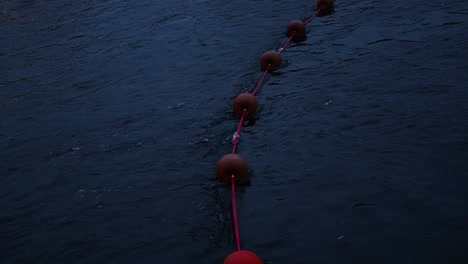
[(236, 136), (235, 220), (314, 15), (261, 80), (287, 42)]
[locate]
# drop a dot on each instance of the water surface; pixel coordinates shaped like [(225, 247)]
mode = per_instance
[(114, 114)]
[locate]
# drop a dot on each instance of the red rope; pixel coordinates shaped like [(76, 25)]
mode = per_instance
[(287, 42), (314, 15), (261, 80), (234, 213), (236, 136)]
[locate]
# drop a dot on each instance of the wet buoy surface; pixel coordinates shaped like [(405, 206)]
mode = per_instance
[(243, 257), (296, 26), (246, 101), (232, 164), (272, 58)]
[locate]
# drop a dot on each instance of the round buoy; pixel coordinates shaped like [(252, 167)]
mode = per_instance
[(243, 257), (232, 164), (327, 4), (246, 101), (296, 26), (272, 58)]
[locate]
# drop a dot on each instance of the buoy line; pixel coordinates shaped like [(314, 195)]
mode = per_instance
[(232, 168)]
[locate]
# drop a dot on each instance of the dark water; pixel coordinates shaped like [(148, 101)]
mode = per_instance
[(114, 114)]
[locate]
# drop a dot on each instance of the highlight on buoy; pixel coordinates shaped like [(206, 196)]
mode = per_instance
[(243, 257), (247, 102), (232, 165), (271, 58)]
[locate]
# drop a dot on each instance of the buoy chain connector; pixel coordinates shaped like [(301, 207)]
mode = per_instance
[(235, 136)]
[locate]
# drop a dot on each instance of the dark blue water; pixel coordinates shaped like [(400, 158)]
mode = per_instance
[(115, 113)]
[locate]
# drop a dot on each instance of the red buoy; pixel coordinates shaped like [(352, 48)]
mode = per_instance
[(243, 257), (272, 58), (232, 164), (327, 4), (246, 101), (296, 26)]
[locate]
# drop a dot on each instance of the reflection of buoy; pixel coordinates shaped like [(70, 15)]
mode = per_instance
[(243, 257), (296, 26), (232, 164), (272, 58), (246, 101)]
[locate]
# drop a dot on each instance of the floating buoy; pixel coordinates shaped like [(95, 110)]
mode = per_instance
[(296, 26), (327, 4), (272, 58), (246, 101), (232, 168), (232, 164), (243, 257)]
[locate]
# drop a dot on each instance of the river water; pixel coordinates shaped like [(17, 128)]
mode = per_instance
[(114, 115)]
